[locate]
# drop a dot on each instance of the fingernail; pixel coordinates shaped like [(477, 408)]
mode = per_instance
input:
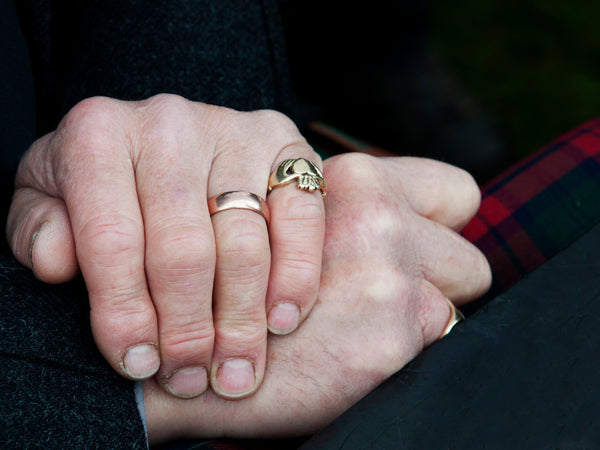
[(188, 382), (141, 361), (283, 318), (235, 377)]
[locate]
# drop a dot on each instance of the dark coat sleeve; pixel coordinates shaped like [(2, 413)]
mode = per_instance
[(57, 391), (520, 373), (227, 52)]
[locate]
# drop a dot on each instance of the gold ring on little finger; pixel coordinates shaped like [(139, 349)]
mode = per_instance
[(456, 317)]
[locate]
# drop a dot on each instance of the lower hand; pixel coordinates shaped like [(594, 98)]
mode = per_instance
[(391, 258)]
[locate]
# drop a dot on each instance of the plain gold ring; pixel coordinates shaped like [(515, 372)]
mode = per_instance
[(455, 318), (238, 200)]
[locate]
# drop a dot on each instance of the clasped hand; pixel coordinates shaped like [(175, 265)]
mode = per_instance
[(119, 192), (390, 257)]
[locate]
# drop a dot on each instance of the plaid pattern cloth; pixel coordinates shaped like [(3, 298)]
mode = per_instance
[(541, 205), (528, 214)]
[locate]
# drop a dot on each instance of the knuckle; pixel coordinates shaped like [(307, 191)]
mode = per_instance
[(280, 129), (359, 168), (385, 220), (164, 106), (83, 138), (103, 237), (303, 275), (376, 227), (117, 314), (32, 170), (389, 286), (242, 246), (180, 250), (234, 332), (275, 120), (89, 109), (116, 300), (166, 101), (301, 211), (162, 118), (89, 118), (184, 344)]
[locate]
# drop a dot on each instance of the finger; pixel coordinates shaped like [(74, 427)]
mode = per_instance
[(297, 231), (451, 263), (435, 313), (40, 236), (243, 252), (436, 190), (180, 251), (94, 174), (241, 279), (422, 246)]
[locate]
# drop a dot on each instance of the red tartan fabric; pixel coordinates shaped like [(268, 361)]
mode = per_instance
[(529, 212), (539, 206)]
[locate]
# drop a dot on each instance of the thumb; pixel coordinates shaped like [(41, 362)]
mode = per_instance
[(40, 237), (38, 227)]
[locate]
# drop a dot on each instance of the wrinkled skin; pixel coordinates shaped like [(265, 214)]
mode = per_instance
[(120, 191), (389, 242)]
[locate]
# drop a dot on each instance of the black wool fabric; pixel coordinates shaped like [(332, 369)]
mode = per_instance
[(521, 373), (57, 390), (226, 52)]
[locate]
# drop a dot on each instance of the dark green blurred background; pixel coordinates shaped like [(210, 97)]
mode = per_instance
[(534, 67)]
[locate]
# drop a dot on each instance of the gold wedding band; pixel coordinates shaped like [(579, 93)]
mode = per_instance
[(307, 175), (455, 317), (238, 200)]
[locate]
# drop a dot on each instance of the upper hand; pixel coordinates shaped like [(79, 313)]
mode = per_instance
[(119, 192), (391, 255)]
